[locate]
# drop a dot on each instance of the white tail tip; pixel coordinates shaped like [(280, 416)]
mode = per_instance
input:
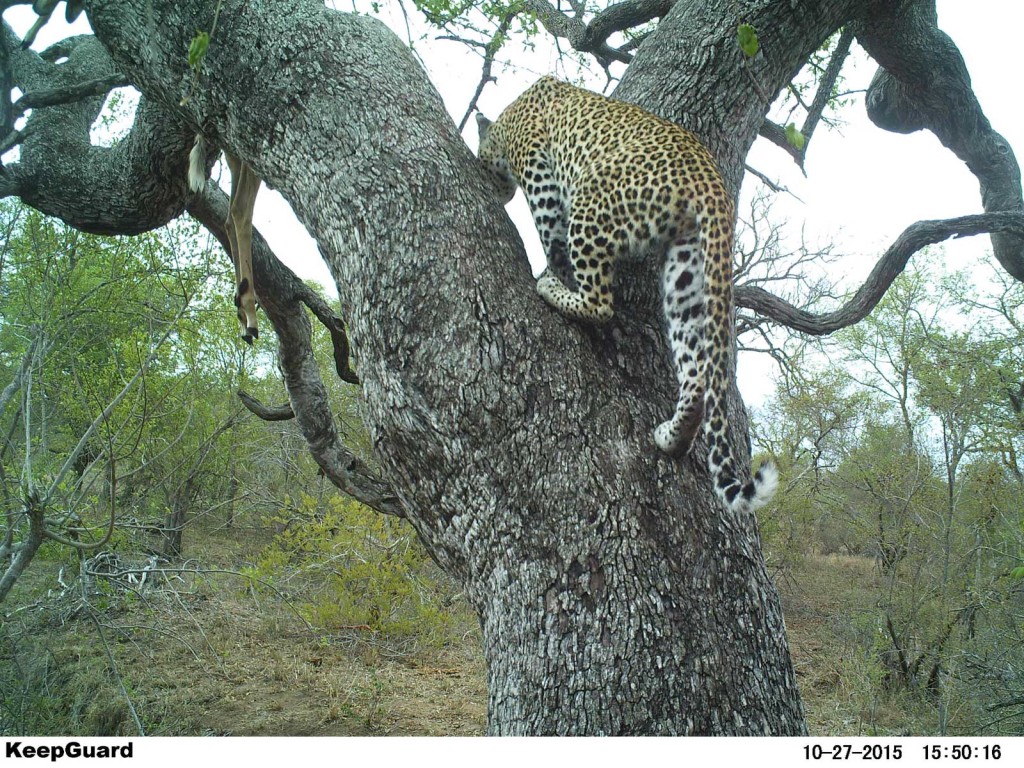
[(766, 481)]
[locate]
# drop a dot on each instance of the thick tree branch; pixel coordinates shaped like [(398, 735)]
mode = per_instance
[(725, 101), (593, 37), (44, 8), (22, 554), (134, 186), (892, 263), (923, 83), (625, 15), (53, 96), (282, 295), (263, 411)]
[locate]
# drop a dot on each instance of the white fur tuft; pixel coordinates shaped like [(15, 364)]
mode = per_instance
[(197, 165), (764, 488)]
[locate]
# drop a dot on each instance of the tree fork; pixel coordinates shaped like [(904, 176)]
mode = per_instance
[(615, 594)]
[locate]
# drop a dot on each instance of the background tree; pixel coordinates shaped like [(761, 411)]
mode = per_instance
[(78, 403), (614, 594), (922, 487)]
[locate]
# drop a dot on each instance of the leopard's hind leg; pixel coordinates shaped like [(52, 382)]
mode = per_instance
[(683, 289), (591, 257)]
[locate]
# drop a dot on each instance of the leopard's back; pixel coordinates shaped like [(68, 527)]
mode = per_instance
[(607, 180)]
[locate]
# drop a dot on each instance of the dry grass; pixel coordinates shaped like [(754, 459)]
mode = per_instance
[(215, 657), (829, 603)]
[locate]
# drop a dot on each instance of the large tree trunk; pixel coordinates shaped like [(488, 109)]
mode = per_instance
[(615, 594)]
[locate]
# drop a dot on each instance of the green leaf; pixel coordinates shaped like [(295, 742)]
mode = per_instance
[(197, 49), (747, 37), (1017, 573), (794, 137)]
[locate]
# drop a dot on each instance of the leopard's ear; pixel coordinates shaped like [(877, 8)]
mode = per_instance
[(482, 124)]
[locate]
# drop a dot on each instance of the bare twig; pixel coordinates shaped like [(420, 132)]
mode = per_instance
[(773, 186), (490, 51)]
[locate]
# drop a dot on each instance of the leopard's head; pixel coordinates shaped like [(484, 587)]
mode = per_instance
[(492, 155)]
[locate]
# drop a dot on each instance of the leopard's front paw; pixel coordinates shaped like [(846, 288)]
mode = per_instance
[(550, 288)]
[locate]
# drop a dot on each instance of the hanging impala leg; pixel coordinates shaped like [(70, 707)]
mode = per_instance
[(244, 186)]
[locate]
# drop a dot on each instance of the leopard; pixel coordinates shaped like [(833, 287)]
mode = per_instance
[(607, 180)]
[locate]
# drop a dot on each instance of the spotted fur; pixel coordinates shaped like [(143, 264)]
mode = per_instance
[(606, 180)]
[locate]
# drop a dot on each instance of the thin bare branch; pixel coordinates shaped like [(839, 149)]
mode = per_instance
[(490, 51), (824, 94), (54, 96), (773, 186), (893, 262), (19, 376), (776, 134)]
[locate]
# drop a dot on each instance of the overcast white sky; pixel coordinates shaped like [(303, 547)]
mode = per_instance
[(863, 186)]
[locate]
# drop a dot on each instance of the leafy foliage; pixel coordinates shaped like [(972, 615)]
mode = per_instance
[(197, 50), (794, 136), (371, 570), (176, 458), (747, 37), (905, 452), (83, 316)]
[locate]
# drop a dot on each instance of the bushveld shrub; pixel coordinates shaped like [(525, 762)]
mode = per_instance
[(353, 568)]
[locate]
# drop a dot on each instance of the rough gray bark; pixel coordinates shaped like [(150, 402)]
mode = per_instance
[(615, 594), (132, 187), (519, 444)]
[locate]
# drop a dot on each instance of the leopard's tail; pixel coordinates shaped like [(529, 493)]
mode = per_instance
[(716, 235)]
